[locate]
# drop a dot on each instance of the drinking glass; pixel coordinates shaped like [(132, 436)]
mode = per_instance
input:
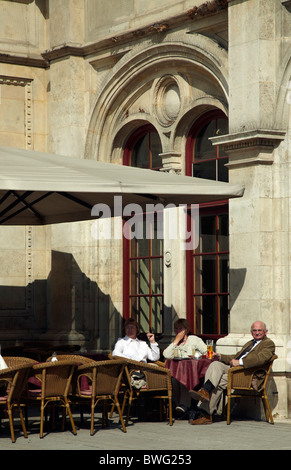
[(209, 344)]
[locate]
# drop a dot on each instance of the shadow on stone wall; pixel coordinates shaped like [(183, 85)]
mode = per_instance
[(66, 307), (237, 277)]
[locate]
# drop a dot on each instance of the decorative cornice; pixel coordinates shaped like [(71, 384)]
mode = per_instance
[(208, 8), (260, 137), (160, 28), (250, 147), (36, 61)]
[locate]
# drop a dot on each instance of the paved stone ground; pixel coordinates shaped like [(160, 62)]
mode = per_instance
[(152, 436)]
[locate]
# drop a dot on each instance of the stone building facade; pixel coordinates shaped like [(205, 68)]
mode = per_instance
[(116, 81)]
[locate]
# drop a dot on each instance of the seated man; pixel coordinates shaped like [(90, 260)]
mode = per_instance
[(254, 353), (133, 348)]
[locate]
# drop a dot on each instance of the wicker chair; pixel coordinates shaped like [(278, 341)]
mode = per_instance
[(104, 378), (12, 361), (74, 357), (55, 379), (158, 385), (241, 384), (81, 360), (158, 363), (14, 378)]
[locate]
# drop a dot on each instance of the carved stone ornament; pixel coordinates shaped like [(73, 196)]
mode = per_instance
[(167, 100)]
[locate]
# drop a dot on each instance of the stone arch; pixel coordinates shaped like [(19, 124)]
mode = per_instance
[(195, 111), (124, 131), (191, 59)]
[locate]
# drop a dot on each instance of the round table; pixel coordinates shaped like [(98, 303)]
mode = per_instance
[(188, 371)]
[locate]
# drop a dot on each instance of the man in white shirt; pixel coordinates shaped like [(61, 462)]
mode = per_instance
[(133, 348), (254, 353)]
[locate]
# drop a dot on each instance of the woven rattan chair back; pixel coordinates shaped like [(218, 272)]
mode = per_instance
[(80, 360), (12, 361), (104, 378), (55, 378), (15, 379), (242, 384), (158, 383), (72, 357)]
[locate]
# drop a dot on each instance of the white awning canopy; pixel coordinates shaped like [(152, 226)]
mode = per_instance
[(39, 188)]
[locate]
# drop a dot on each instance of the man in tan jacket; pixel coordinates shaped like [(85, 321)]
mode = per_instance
[(254, 353)]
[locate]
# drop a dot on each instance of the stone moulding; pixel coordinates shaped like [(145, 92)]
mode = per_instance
[(163, 26), (208, 8), (26, 83), (29, 61), (250, 147)]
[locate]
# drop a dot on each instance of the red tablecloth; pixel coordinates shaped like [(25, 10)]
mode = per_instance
[(188, 371)]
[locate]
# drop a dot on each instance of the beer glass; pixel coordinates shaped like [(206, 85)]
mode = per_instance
[(209, 344)]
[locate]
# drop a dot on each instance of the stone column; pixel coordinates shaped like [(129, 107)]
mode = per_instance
[(174, 257), (259, 276), (250, 146)]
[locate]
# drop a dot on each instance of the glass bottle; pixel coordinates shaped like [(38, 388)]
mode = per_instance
[(54, 357)]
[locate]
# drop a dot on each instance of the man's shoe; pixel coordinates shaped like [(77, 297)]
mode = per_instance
[(200, 395), (193, 414), (204, 419), (180, 411)]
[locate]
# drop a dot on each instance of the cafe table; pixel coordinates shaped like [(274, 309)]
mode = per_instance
[(190, 370)]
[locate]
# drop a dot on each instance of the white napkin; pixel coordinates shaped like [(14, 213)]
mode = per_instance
[(3, 364)]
